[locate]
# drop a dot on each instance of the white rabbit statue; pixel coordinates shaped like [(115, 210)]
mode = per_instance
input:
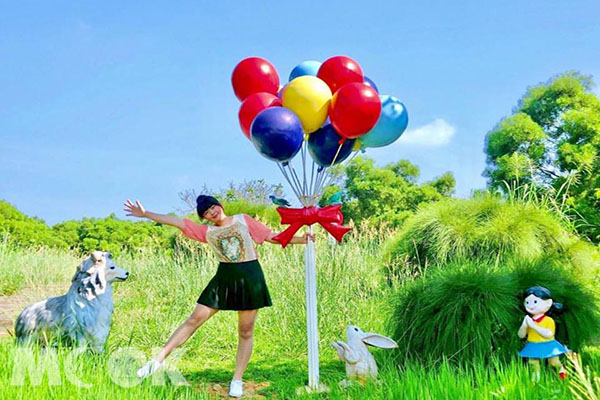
[(360, 363)]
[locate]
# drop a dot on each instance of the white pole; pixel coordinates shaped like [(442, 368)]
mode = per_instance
[(311, 313), (308, 199)]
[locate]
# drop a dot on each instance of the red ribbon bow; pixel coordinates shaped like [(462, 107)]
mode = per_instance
[(330, 218)]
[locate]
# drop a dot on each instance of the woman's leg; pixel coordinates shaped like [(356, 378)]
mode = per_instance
[(246, 320), (200, 314)]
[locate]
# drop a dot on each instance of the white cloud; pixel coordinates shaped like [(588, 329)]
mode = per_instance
[(436, 133)]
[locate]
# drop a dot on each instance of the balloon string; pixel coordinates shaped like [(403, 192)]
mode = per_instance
[(316, 186), (336, 154), (287, 178), (312, 176), (326, 174), (332, 177), (295, 176), (320, 180), (352, 156), (305, 185), (285, 175)]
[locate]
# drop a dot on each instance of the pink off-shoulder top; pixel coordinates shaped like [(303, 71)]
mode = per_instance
[(233, 242)]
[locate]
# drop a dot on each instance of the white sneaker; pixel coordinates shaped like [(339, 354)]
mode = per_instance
[(236, 389), (149, 368)]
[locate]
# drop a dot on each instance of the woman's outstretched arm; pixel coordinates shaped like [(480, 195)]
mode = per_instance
[(301, 239), (137, 210)]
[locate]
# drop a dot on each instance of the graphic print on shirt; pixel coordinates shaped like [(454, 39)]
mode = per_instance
[(230, 244)]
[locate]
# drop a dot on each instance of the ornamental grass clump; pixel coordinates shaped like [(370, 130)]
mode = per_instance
[(463, 312), (484, 228), (579, 323), (470, 311)]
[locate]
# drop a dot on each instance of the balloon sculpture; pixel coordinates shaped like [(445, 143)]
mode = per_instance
[(327, 110)]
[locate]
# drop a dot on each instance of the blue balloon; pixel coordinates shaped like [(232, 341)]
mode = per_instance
[(305, 68), (323, 146), (368, 81), (277, 134), (392, 122)]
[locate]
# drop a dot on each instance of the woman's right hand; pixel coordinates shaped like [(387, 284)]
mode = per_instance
[(136, 210)]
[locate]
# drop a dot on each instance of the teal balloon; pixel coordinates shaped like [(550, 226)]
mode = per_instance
[(392, 123), (305, 68)]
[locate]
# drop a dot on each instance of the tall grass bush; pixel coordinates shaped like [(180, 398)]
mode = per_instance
[(471, 310), (487, 228)]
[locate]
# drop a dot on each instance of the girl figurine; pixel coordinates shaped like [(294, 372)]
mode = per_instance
[(239, 283), (539, 329)]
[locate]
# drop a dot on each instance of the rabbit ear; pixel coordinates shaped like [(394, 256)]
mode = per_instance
[(376, 340)]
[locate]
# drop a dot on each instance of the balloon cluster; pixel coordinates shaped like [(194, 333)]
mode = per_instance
[(330, 105)]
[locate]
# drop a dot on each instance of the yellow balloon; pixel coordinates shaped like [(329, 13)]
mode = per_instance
[(308, 97)]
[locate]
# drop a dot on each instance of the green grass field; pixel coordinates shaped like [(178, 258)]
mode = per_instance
[(161, 292)]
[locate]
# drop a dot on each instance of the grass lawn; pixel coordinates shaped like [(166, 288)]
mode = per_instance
[(162, 291)]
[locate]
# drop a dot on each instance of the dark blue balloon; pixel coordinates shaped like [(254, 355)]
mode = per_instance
[(368, 81), (324, 143), (277, 134)]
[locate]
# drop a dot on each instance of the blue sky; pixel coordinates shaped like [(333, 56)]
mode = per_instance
[(104, 101)]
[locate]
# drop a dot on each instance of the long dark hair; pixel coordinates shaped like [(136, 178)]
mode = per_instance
[(544, 294)]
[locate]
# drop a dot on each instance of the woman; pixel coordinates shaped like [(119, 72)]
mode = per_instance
[(239, 283)]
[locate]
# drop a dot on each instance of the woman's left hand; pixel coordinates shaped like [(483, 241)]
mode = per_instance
[(304, 238), (301, 239)]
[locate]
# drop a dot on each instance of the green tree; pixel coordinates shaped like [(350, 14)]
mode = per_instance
[(388, 194), (25, 231), (114, 235), (553, 141)]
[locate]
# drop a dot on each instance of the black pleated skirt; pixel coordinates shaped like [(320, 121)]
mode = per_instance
[(237, 286)]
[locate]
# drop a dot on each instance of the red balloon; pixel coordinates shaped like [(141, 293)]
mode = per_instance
[(254, 104), (354, 110), (340, 70), (253, 75)]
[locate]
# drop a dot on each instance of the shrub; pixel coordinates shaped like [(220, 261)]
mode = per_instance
[(485, 227), (114, 235), (471, 310), (110, 233), (22, 230), (465, 312), (264, 212)]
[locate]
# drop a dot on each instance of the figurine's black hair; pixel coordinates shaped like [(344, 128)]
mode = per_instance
[(544, 294)]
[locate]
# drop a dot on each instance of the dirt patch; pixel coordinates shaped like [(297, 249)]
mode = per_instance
[(251, 389), (11, 306)]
